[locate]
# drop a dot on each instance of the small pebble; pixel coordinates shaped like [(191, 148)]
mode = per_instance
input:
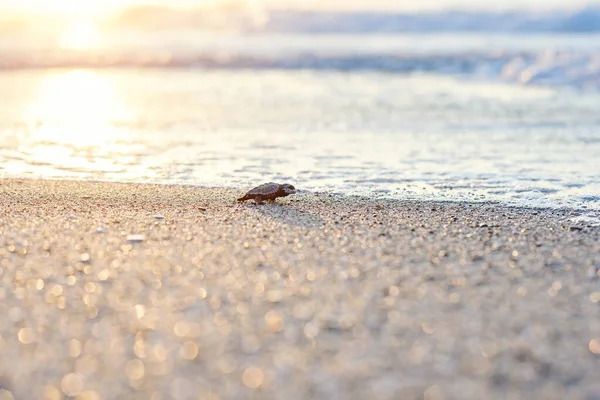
[(135, 238)]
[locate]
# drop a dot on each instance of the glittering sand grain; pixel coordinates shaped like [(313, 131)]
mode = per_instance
[(113, 291)]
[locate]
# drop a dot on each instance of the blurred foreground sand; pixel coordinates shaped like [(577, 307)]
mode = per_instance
[(112, 291)]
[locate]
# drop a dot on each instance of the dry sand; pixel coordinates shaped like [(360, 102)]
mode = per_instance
[(113, 291)]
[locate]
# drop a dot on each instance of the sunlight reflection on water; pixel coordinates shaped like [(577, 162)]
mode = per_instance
[(73, 115), (77, 98), (360, 133)]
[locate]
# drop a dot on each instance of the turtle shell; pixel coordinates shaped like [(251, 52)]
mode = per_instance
[(266, 189)]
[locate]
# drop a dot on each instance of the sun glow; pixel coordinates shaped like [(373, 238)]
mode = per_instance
[(80, 35), (73, 9)]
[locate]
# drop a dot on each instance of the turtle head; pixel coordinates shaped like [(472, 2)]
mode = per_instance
[(288, 189)]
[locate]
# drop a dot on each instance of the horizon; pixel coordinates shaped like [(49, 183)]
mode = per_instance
[(95, 24), (99, 9)]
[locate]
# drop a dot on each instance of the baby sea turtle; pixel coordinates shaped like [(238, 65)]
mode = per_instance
[(268, 191)]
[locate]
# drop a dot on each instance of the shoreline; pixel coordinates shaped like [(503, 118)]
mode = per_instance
[(390, 200), (119, 290)]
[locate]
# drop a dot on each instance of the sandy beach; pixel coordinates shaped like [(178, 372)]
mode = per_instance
[(123, 291)]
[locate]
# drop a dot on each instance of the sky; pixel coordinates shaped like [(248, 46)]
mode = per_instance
[(92, 8)]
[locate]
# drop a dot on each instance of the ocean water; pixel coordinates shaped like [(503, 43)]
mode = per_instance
[(498, 115)]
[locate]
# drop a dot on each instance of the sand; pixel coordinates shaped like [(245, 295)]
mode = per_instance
[(120, 291)]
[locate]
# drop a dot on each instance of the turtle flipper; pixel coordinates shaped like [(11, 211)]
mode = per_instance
[(258, 200)]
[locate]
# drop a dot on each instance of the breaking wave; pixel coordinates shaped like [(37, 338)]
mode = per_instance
[(577, 69)]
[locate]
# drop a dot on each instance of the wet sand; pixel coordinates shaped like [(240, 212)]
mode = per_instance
[(114, 291)]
